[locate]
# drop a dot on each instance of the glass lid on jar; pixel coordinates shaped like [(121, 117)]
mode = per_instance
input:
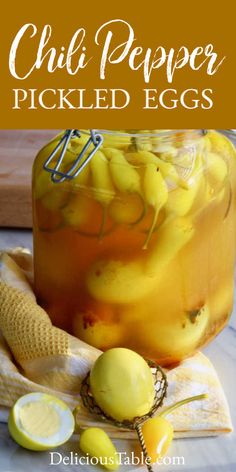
[(170, 144)]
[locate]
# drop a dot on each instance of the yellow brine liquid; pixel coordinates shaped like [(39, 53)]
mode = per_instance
[(138, 250)]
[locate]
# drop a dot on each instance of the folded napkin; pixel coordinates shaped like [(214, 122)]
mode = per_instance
[(37, 356)]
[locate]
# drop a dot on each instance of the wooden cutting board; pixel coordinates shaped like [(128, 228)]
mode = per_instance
[(18, 149)]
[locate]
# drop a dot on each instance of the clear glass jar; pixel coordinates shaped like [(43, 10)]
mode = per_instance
[(138, 250)]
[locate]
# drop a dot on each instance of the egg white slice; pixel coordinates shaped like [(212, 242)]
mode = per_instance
[(39, 421)]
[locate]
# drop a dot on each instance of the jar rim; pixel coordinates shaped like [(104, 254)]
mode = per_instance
[(229, 132), (135, 133)]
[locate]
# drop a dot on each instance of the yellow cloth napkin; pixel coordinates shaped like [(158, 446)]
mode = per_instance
[(36, 356)]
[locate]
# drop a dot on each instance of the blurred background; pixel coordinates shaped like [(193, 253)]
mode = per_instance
[(18, 149)]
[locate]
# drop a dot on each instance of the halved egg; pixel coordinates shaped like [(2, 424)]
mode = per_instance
[(39, 422)]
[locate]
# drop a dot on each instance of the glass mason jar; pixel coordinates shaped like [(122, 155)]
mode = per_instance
[(137, 249)]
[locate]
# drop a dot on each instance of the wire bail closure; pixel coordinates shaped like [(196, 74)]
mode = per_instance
[(57, 176)]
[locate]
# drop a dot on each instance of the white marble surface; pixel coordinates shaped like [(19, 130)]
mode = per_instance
[(205, 454)]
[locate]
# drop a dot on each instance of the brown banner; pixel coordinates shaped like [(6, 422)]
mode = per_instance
[(118, 64)]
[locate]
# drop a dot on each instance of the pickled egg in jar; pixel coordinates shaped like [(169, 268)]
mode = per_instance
[(135, 237)]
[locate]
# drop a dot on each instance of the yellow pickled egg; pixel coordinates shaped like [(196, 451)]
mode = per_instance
[(40, 422)]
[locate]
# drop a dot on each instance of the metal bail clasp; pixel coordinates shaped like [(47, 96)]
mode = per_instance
[(95, 140)]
